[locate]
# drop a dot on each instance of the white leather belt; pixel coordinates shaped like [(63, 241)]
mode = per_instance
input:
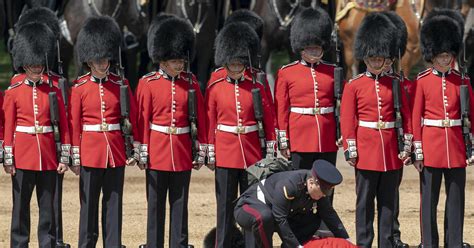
[(377, 124), (169, 130), (312, 111), (34, 129), (442, 123), (237, 129), (101, 127)]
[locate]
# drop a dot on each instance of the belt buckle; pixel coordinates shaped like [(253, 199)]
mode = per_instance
[(173, 130), (38, 129), (240, 129), (316, 111), (104, 127), (381, 125), (446, 123)]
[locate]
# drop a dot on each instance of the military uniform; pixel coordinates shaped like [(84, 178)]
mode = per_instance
[(369, 137), (232, 127), (28, 126), (165, 131), (98, 145), (282, 202)]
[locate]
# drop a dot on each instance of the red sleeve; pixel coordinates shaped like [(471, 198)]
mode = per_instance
[(349, 122), (9, 109), (144, 114), (211, 114), (268, 119), (471, 102), (75, 116), (282, 102), (2, 116), (406, 112), (63, 123), (133, 113), (201, 115), (418, 109)]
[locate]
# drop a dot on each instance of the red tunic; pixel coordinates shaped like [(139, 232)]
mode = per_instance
[(231, 104), (443, 147), (305, 85), (164, 102), (27, 104), (99, 149), (366, 100)]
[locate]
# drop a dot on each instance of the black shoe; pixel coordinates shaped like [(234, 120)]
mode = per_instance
[(400, 244), (142, 246), (190, 246), (123, 246), (420, 245), (466, 245), (62, 245)]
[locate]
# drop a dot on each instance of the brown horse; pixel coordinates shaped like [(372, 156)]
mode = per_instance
[(350, 15)]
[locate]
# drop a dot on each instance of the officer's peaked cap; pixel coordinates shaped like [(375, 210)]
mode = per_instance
[(311, 27), (327, 175)]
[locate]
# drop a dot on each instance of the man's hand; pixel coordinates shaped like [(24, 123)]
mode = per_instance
[(211, 167), (76, 169), (286, 153), (419, 165), (196, 165), (339, 142), (62, 168), (352, 161), (10, 169), (405, 157), (131, 162)]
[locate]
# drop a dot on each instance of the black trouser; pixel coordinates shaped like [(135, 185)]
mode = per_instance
[(396, 211), (454, 182), (256, 218), (58, 211), (371, 185), (92, 182), (227, 182), (305, 160), (24, 183), (159, 183)]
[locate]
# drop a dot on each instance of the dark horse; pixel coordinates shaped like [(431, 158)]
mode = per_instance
[(132, 21)]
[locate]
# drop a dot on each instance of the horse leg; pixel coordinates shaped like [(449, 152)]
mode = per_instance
[(131, 68), (413, 52)]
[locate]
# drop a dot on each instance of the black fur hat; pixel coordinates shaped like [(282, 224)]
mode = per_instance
[(311, 27), (234, 42), (437, 37), (31, 44), (42, 15), (249, 17), (375, 37), (170, 37), (453, 14), (402, 35), (99, 38)]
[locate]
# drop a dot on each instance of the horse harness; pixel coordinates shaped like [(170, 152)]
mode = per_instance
[(200, 19), (114, 13), (285, 21)]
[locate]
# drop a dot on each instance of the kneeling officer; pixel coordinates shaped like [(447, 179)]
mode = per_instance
[(291, 203)]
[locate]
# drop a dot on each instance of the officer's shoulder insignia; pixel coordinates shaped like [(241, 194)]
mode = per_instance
[(290, 64), (14, 85), (423, 73), (287, 195), (83, 76), (215, 82), (218, 69), (356, 77), (328, 63)]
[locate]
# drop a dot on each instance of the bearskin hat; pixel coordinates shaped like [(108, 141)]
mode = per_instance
[(453, 14), (311, 27), (249, 17), (402, 34), (234, 42), (375, 37), (99, 38), (42, 15), (170, 38), (31, 44), (155, 23), (437, 37)]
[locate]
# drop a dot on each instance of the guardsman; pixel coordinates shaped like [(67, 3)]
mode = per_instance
[(438, 138), (31, 153), (290, 202), (166, 130), (96, 124), (368, 129), (233, 133), (407, 89)]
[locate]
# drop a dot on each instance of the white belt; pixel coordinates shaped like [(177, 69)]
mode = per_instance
[(169, 130), (442, 123), (34, 129), (237, 129), (312, 111), (377, 124), (101, 127)]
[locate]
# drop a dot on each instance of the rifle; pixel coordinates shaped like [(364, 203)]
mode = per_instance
[(258, 110), (338, 85), (125, 124), (62, 83), (192, 111), (465, 109), (54, 113), (261, 76), (397, 106)]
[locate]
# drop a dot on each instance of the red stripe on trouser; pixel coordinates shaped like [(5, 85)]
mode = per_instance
[(259, 220)]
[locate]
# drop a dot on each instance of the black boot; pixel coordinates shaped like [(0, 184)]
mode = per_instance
[(400, 244)]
